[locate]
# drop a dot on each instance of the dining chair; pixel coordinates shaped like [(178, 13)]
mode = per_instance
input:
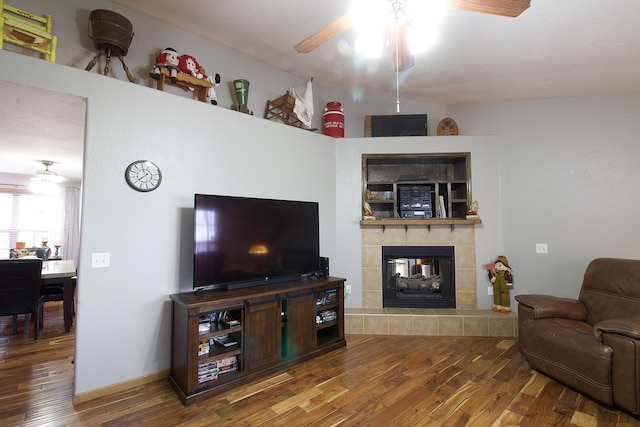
[(53, 290), (20, 281)]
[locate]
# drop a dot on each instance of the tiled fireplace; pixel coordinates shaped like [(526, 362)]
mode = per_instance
[(463, 320)]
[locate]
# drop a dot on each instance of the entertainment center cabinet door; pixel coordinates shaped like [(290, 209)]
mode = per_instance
[(261, 334), (300, 328)]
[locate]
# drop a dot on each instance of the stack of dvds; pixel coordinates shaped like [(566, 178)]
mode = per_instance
[(207, 372), (229, 364), (330, 296), (327, 316), (203, 348), (210, 371)]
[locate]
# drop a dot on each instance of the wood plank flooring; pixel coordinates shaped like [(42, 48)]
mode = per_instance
[(374, 381)]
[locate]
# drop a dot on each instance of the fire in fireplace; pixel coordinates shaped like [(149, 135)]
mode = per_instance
[(418, 276)]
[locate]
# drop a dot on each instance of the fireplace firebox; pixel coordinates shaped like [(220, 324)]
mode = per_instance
[(418, 276)]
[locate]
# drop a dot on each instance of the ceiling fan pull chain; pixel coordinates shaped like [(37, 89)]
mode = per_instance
[(397, 74)]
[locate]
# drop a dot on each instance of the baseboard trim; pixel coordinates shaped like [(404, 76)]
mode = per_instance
[(118, 387)]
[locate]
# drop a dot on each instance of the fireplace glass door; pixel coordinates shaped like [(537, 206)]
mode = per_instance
[(418, 276)]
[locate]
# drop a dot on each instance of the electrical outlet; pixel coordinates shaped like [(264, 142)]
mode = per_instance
[(347, 289), (100, 259), (542, 248)]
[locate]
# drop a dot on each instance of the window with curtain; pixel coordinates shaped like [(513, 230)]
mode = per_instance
[(30, 218)]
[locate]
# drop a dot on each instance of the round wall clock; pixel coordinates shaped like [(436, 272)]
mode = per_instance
[(447, 126), (143, 175)]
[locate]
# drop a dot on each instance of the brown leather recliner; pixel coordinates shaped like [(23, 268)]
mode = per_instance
[(591, 344)]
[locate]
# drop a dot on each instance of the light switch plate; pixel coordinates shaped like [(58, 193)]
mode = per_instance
[(100, 259), (542, 248)]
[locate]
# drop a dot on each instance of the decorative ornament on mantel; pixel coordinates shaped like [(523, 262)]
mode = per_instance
[(472, 213), (367, 212), (447, 127)]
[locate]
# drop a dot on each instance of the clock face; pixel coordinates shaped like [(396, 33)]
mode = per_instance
[(143, 175)]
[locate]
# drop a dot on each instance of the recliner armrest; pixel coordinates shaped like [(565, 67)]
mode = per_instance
[(629, 328), (547, 306)]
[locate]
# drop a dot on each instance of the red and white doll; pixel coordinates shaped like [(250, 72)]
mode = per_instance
[(168, 59), (189, 65)]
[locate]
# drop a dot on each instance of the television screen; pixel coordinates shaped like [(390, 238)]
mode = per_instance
[(242, 241)]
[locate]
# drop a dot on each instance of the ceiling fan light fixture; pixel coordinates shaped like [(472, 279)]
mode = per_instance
[(44, 188), (426, 12), (424, 28), (398, 15), (369, 22), (366, 12), (45, 182), (368, 48)]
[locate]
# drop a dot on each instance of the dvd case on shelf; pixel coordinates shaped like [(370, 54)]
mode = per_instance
[(224, 340)]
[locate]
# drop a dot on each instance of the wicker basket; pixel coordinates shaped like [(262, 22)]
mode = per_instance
[(110, 31)]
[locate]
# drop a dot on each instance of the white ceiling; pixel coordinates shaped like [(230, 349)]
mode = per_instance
[(556, 48), (37, 125)]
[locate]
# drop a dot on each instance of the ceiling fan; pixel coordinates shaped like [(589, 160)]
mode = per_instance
[(398, 30)]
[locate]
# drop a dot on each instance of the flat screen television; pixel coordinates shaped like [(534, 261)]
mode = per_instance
[(243, 241)]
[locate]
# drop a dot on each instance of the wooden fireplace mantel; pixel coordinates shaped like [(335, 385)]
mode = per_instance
[(451, 222), (406, 222)]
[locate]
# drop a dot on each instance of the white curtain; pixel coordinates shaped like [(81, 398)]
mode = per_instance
[(71, 237)]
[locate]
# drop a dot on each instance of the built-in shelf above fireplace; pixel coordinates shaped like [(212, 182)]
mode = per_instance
[(416, 187)]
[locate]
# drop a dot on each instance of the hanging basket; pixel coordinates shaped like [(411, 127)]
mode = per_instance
[(110, 31)]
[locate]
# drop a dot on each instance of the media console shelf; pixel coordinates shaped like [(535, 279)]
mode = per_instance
[(225, 338)]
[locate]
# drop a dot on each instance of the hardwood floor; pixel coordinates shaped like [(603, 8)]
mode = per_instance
[(374, 381)]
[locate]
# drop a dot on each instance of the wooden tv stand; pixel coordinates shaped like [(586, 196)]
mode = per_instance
[(225, 338)]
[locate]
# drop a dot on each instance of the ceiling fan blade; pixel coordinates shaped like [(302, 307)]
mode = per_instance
[(510, 8), (399, 39), (324, 34)]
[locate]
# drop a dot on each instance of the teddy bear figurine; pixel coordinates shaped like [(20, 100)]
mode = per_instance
[(168, 59), (501, 277)]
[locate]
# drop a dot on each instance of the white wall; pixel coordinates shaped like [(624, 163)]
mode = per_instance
[(569, 178), (123, 324)]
